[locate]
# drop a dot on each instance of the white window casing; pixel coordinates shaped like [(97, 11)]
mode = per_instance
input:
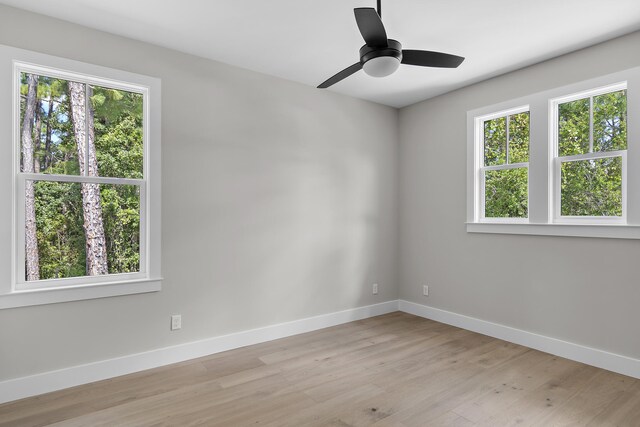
[(479, 209), (544, 165), (14, 290), (556, 161)]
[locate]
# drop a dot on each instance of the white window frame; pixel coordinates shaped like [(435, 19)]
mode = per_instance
[(481, 168), (543, 167), (557, 161), (15, 291)]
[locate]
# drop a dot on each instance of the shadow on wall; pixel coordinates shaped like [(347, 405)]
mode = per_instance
[(311, 228), (287, 212)]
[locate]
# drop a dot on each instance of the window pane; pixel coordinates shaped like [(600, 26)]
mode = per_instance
[(60, 250), (121, 215), (592, 187), (519, 138), (495, 141), (610, 121), (54, 126), (47, 139), (573, 127), (63, 212), (118, 117), (506, 193)]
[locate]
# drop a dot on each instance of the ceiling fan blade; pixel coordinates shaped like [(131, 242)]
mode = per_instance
[(425, 58), (370, 26), (341, 75)]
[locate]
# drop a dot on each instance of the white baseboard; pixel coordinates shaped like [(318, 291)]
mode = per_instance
[(591, 356), (33, 385)]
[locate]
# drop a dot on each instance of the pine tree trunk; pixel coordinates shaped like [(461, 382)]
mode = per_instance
[(36, 136), (82, 119), (31, 239), (49, 131)]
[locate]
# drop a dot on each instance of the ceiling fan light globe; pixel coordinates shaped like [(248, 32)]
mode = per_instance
[(381, 66)]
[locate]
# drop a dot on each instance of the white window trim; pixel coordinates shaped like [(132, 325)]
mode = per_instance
[(556, 160), (479, 210), (14, 292), (542, 220)]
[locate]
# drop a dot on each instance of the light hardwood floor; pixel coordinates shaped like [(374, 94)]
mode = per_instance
[(392, 370)]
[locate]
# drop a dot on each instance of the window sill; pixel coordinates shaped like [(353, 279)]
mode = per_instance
[(77, 293), (610, 231)]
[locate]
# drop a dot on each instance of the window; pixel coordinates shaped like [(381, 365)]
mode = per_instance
[(590, 148), (86, 162), (561, 162), (505, 166)]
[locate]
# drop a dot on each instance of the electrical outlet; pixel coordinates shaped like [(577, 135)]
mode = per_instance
[(176, 322), (375, 289), (425, 290)]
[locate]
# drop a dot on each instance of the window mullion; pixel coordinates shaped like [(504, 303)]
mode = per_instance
[(81, 179), (507, 142), (591, 124), (505, 167), (86, 129), (591, 156)]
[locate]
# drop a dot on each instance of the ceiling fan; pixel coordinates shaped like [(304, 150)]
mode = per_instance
[(381, 56)]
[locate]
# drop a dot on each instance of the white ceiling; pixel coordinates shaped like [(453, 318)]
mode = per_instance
[(310, 40)]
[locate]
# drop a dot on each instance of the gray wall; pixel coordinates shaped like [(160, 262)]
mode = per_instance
[(581, 290), (278, 203)]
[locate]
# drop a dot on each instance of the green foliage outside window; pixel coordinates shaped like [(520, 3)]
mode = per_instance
[(610, 121), (61, 241), (118, 128), (592, 187), (495, 141), (519, 138), (506, 141), (573, 127), (506, 194)]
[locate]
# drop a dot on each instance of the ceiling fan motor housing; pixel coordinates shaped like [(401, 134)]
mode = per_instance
[(381, 61), (393, 49)]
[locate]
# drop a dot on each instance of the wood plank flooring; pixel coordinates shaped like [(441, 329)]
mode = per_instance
[(393, 370)]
